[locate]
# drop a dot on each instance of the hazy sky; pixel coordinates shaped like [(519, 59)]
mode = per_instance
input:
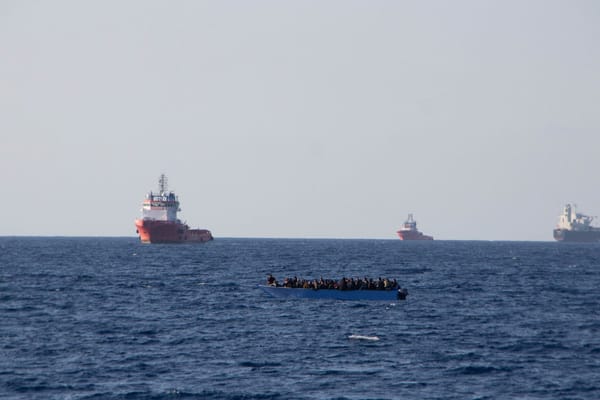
[(300, 118)]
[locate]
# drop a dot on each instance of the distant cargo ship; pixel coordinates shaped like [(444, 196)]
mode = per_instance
[(159, 223), (409, 231), (575, 227)]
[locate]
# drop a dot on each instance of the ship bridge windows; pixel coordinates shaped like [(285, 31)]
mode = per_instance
[(168, 198), (163, 204)]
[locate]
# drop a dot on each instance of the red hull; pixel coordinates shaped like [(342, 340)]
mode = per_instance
[(152, 231), (413, 235)]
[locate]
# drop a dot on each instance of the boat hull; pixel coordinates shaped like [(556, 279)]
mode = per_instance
[(566, 235), (413, 235), (152, 231), (334, 294)]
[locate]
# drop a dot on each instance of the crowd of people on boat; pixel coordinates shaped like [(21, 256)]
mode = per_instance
[(341, 284)]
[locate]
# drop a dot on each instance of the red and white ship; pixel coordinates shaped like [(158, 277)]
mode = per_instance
[(409, 231), (159, 223)]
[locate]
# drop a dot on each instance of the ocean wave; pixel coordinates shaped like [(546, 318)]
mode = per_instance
[(174, 394), (472, 314), (364, 337)]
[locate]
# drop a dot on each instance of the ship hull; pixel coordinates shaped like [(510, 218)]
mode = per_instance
[(413, 235), (152, 231), (565, 235), (334, 294)]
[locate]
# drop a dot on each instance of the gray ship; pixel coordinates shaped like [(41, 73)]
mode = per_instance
[(575, 227)]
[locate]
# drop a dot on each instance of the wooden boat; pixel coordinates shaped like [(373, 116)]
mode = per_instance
[(335, 294)]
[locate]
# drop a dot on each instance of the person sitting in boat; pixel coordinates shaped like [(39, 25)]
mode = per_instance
[(271, 281), (360, 284)]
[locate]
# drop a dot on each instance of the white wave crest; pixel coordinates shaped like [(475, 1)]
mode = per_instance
[(363, 337)]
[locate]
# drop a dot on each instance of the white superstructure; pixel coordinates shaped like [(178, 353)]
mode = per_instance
[(161, 206), (574, 221), (410, 224)]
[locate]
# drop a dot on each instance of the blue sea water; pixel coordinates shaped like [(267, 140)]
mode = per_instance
[(110, 318)]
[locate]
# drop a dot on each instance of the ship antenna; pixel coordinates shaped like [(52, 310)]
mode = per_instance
[(162, 184)]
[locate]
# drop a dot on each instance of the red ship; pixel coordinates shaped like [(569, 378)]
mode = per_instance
[(159, 223), (409, 231)]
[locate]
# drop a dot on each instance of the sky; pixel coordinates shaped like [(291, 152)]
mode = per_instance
[(300, 119)]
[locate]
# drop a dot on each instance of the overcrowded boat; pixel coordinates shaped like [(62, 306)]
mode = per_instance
[(342, 289)]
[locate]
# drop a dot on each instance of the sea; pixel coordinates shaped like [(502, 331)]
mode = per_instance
[(111, 318)]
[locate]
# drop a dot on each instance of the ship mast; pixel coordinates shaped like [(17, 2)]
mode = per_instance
[(162, 184)]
